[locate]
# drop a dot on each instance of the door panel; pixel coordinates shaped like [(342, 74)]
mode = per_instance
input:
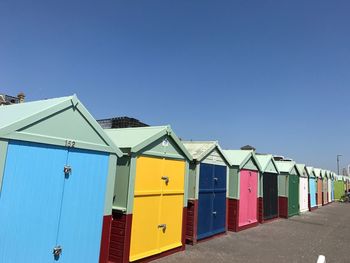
[(270, 194), (312, 187), (293, 195), (205, 201), (172, 204), (205, 215), (171, 215), (30, 201), (324, 190), (319, 192), (144, 231), (148, 175), (220, 175), (83, 202), (175, 171), (206, 181), (244, 198), (253, 195), (303, 194), (219, 212), (146, 209), (219, 203)]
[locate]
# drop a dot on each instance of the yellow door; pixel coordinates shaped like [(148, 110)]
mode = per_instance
[(158, 206), (147, 203), (172, 205)]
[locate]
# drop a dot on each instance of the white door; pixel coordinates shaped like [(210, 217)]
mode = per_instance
[(303, 194)]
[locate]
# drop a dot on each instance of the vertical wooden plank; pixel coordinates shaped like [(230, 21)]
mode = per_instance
[(3, 153), (31, 194), (80, 227)]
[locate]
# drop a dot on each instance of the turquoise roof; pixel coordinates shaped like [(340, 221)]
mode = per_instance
[(241, 157), (264, 160), (136, 139)]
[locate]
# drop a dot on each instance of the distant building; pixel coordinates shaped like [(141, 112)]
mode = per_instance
[(278, 158), (248, 147), (121, 122), (8, 100)]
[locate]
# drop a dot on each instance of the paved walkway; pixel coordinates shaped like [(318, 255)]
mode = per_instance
[(326, 231)]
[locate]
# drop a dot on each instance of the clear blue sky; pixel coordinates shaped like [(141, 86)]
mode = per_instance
[(273, 74)]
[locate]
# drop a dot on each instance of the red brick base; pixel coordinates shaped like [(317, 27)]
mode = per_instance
[(192, 222), (261, 210), (283, 207), (120, 237), (233, 216), (119, 247)]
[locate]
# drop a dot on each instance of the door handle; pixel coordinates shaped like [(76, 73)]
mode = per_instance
[(67, 170), (163, 226), (214, 213), (57, 251), (216, 179), (166, 179), (250, 190)]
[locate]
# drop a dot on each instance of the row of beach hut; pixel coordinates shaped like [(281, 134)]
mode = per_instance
[(71, 191)]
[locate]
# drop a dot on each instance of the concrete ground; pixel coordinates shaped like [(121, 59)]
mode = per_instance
[(325, 231)]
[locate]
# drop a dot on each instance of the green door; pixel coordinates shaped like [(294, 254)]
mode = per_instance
[(293, 195)]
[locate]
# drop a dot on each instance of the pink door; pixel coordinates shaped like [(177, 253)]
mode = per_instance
[(243, 198), (248, 197), (253, 197)]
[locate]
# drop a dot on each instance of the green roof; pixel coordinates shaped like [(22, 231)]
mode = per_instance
[(201, 149), (323, 173), (16, 113), (286, 166), (317, 172), (17, 120), (241, 157), (264, 160), (310, 171), (301, 169), (136, 139)]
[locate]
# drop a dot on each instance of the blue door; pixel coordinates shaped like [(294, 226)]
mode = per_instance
[(332, 190), (79, 233), (30, 201), (219, 207), (312, 191), (42, 208), (212, 200), (205, 201)]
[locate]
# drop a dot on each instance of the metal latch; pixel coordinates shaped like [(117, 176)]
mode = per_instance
[(67, 170), (216, 179), (166, 179), (214, 213), (57, 251), (163, 226)]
